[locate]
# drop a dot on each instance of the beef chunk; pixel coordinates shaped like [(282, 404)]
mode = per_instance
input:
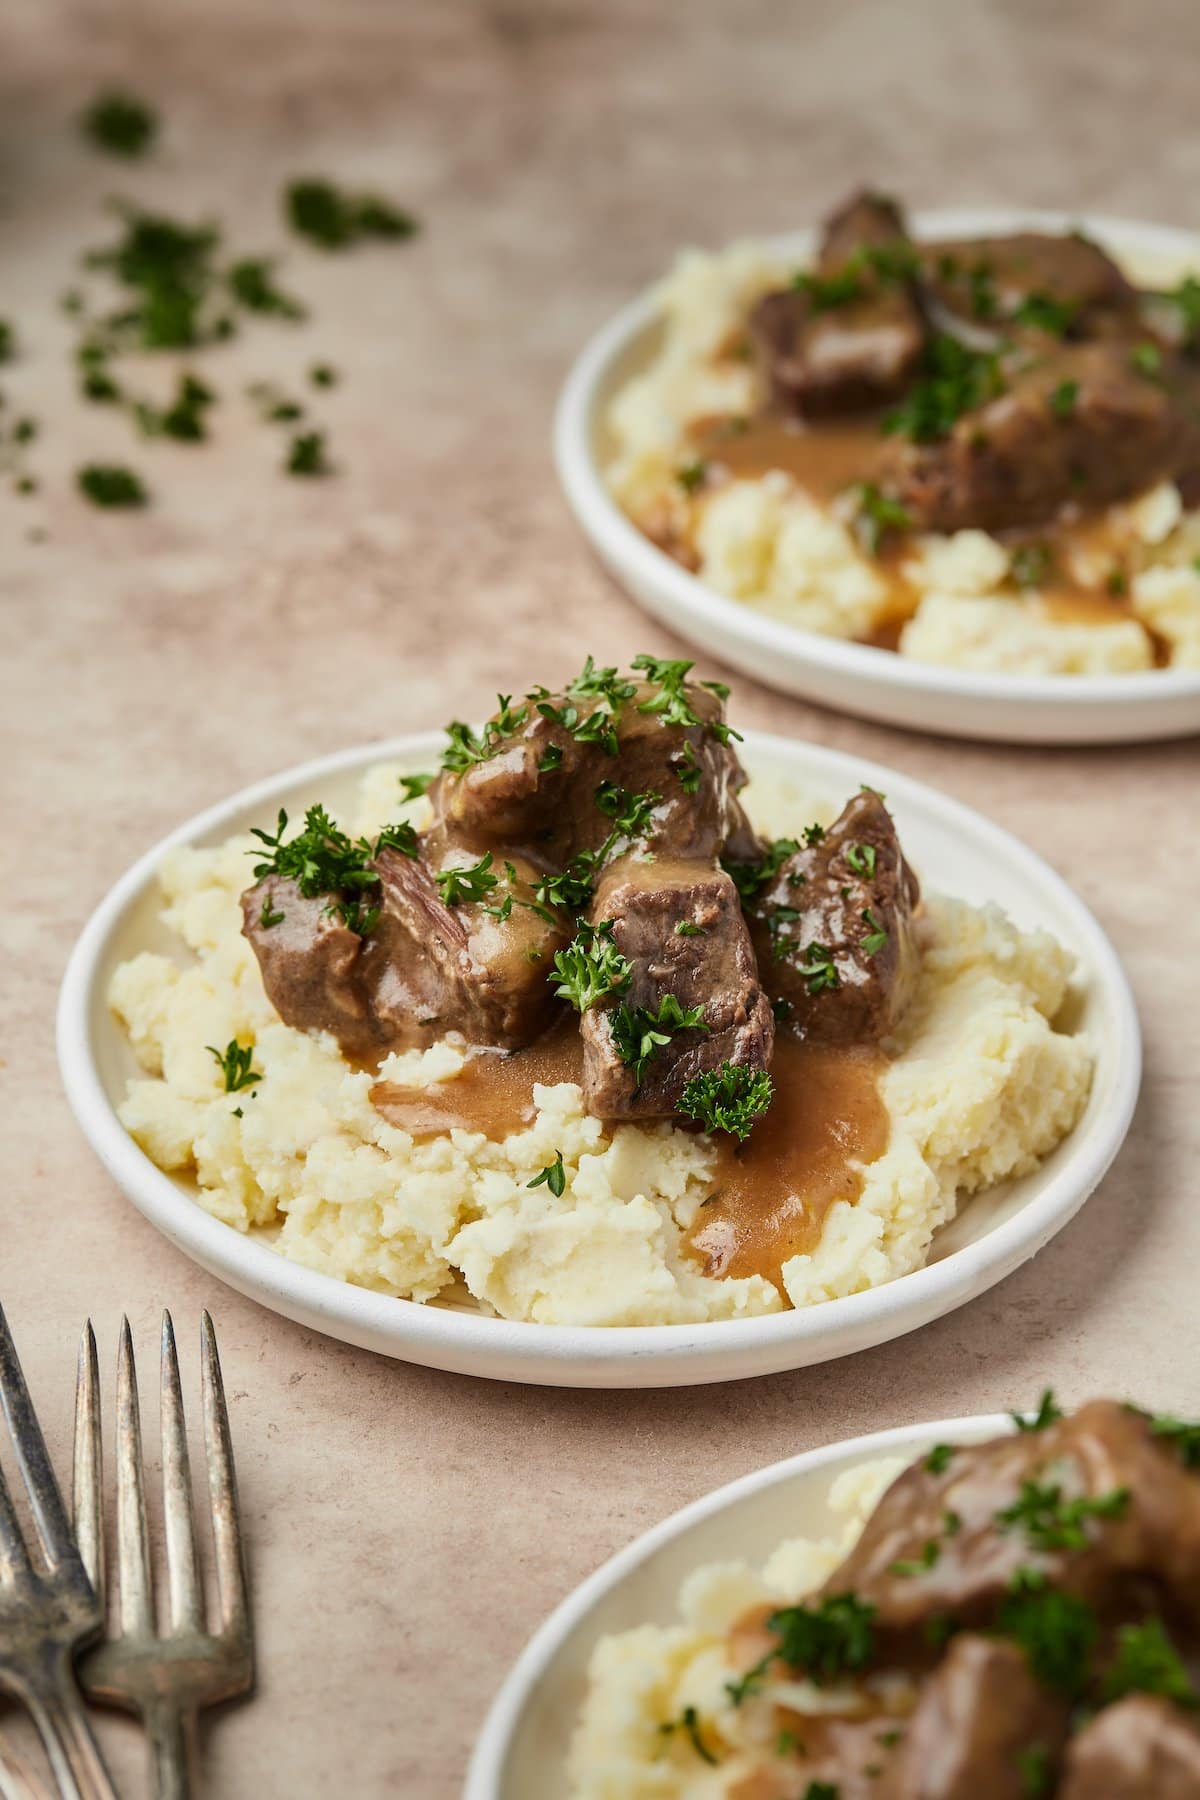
[(540, 787), (1141, 1749), (833, 929), (424, 969), (978, 1713), (711, 966), (1150, 1544), (852, 336), (1084, 425), (992, 282), (311, 964)]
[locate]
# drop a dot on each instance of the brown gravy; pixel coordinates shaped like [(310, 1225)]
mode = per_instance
[(493, 1094), (835, 454), (772, 1193)]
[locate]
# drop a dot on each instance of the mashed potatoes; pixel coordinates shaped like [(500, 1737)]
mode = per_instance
[(980, 1086), (627, 1745), (764, 542)]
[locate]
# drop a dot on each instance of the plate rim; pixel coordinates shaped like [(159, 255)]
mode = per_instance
[(686, 1353), (605, 525), (485, 1770)]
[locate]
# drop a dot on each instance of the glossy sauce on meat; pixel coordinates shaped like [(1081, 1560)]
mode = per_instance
[(772, 1193)]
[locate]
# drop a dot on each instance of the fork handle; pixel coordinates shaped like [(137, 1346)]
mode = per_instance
[(62, 1723), (171, 1731)]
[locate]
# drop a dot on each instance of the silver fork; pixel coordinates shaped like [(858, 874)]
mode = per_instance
[(165, 1679), (46, 1613)]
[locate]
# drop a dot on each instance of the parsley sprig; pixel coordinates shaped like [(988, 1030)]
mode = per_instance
[(826, 1641), (472, 882), (553, 1176), (955, 380), (640, 1032), (235, 1062), (1052, 1523), (591, 967), (689, 1723), (731, 1098), (323, 859)]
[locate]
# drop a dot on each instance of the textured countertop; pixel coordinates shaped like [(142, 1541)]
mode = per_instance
[(409, 1529)]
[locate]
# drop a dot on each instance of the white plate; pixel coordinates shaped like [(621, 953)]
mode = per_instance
[(522, 1750), (953, 848), (1034, 709)]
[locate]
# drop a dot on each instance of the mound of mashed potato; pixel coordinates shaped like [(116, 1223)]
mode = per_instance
[(627, 1745), (765, 542), (980, 1086)]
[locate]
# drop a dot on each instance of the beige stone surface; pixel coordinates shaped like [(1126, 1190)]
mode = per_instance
[(408, 1529)]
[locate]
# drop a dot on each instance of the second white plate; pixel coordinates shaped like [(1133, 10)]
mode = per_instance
[(954, 849), (856, 678)]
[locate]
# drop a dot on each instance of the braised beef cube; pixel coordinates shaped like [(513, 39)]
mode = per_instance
[(311, 963), (541, 786), (833, 929), (1144, 1541), (709, 965), (480, 967), (1143, 1748), (851, 337), (1085, 425), (980, 1715), (1064, 284)]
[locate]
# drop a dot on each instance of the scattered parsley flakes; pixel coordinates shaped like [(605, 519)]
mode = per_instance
[(1063, 399), (749, 878), (306, 455), (862, 859), (252, 284), (639, 1033), (1146, 1662), (1049, 1412), (553, 1176), (876, 514), (323, 375), (107, 484), (732, 1098), (8, 341), (931, 1551), (235, 1064), (335, 218), (472, 882), (1056, 1631), (323, 859), (1146, 359), (831, 1639), (1030, 564), (689, 1723), (1052, 1523), (955, 380), (121, 124), (940, 1458), (1034, 1771), (692, 475), (1182, 1434), (591, 967), (820, 970)]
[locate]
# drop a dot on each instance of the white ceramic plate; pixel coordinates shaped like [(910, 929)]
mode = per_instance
[(522, 1750), (856, 678), (953, 848)]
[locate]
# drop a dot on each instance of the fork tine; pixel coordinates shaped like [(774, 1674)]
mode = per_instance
[(88, 1502), (133, 1551), (183, 1575), (222, 1489), (48, 1510), (15, 1566)]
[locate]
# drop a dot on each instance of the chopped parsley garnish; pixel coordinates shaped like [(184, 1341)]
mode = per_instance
[(956, 379), (940, 1458), (826, 1641), (334, 218), (1030, 564), (1052, 1523), (821, 1790), (630, 813), (820, 970), (876, 514), (931, 1550), (1042, 312), (268, 916), (107, 484), (323, 859), (1034, 1771), (685, 928), (1146, 1662), (553, 1176), (889, 263), (1147, 360), (467, 747), (306, 454), (184, 418), (1117, 583), (749, 878), (877, 935), (323, 375), (253, 285), (8, 341), (689, 1723), (1186, 298), (1056, 1631), (413, 786), (550, 759), (1049, 1412), (730, 1098), (1062, 400), (687, 768), (474, 882), (168, 270), (639, 1033), (1183, 1434), (691, 475), (235, 1064), (671, 704), (862, 858), (121, 124), (591, 967)]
